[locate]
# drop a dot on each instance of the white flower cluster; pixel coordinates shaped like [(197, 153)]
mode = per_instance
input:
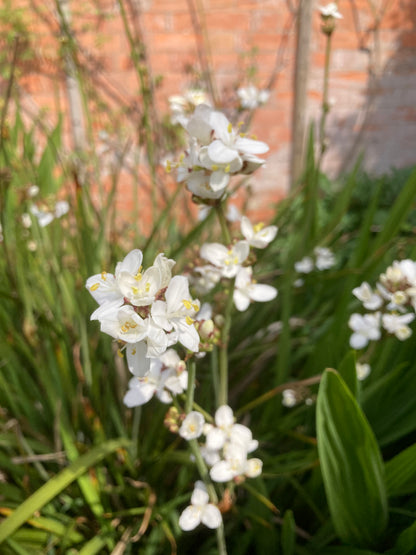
[(227, 445), (148, 311), (181, 106), (394, 296), (216, 152), (167, 376), (251, 97), (323, 259), (227, 262)]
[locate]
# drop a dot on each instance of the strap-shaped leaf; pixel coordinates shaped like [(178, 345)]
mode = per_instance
[(351, 463), (401, 473)]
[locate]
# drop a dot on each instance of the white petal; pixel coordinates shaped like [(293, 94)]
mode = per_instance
[(222, 472), (221, 153), (137, 362), (215, 439), (199, 495), (241, 300), (190, 518), (219, 180), (358, 341), (131, 263), (211, 516), (251, 146), (140, 394), (224, 416), (246, 228), (262, 293)]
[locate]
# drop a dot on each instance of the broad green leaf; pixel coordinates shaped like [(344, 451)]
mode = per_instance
[(351, 463), (401, 473), (55, 485)]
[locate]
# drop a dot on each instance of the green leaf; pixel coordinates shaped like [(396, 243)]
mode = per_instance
[(348, 371), (392, 395), (401, 473), (351, 463), (406, 542), (288, 539), (47, 182), (56, 484)]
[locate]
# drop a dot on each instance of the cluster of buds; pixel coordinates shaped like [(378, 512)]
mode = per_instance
[(393, 305), (216, 152)]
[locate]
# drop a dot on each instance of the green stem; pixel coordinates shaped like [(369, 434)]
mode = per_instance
[(191, 386), (203, 472), (219, 208), (223, 351)]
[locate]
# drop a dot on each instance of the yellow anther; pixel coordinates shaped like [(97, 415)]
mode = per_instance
[(133, 352), (235, 261), (226, 262), (94, 287), (124, 329), (227, 168), (195, 306), (258, 227), (120, 354), (229, 251), (242, 134), (132, 325), (138, 276), (229, 128), (181, 157), (168, 166), (147, 287), (240, 123), (214, 167), (135, 290), (187, 304), (103, 275), (254, 137), (189, 320)]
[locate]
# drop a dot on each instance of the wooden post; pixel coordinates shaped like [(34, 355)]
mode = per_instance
[(300, 86)]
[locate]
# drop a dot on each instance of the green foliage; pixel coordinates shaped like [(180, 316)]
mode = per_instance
[(351, 463)]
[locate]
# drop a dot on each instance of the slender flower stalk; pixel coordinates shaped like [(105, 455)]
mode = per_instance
[(223, 352), (223, 223), (325, 95), (191, 386)]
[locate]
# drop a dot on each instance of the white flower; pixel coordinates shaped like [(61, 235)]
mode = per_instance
[(289, 399), (363, 370), (246, 290), (226, 431), (200, 511), (104, 288), (257, 236), (304, 266), (205, 278), (177, 313), (366, 328), (228, 260), (139, 288), (330, 10), (397, 325), (251, 97), (142, 389), (370, 300), (193, 425), (324, 258)]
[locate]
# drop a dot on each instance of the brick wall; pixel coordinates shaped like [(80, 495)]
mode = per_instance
[(372, 81)]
